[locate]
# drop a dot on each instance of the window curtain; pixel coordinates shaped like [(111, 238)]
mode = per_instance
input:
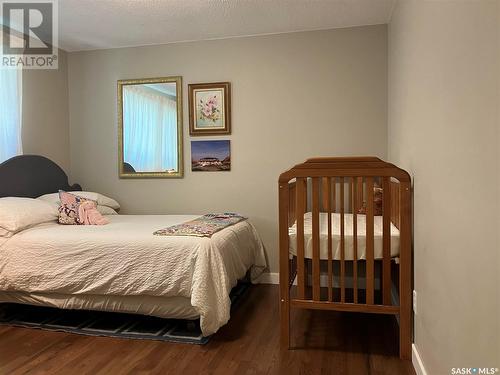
[(10, 113), (149, 130)]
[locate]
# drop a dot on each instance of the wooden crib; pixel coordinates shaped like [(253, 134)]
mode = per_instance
[(341, 259)]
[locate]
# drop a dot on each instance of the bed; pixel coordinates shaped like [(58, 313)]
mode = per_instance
[(121, 266), (345, 240)]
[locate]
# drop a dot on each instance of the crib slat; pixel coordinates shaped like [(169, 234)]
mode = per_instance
[(315, 239), (359, 192), (300, 211), (324, 197), (342, 241), (329, 211), (334, 192), (355, 240), (350, 202), (386, 263), (369, 242)]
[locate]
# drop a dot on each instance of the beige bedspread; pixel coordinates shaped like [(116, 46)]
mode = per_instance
[(124, 258)]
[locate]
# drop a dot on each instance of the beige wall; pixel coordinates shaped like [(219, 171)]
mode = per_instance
[(498, 159), (294, 96), (45, 113), (443, 127)]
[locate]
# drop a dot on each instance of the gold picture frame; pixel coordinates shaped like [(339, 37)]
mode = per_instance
[(209, 108), (122, 167)]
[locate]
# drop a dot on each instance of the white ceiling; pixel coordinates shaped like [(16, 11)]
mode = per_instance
[(96, 24)]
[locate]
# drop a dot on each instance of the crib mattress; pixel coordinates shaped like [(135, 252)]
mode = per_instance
[(348, 235)]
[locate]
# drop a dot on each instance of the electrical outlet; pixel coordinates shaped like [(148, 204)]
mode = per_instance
[(415, 302)]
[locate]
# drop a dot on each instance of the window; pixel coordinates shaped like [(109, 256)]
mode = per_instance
[(10, 113)]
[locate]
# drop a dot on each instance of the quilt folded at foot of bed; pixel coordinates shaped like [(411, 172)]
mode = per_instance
[(204, 226)]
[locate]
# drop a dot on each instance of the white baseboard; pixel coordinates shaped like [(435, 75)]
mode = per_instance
[(418, 365)]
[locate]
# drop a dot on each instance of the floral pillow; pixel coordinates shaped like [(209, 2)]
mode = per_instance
[(68, 210)]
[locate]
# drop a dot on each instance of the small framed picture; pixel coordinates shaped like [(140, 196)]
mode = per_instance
[(210, 156), (209, 108)]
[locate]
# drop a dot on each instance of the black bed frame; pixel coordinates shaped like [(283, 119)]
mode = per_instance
[(31, 176)]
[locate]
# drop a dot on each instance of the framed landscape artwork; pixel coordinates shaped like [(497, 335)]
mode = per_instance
[(210, 156), (209, 108)]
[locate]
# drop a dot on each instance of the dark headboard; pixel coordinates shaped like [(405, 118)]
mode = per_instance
[(31, 176)]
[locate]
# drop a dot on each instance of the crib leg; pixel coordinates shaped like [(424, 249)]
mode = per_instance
[(285, 324), (284, 309), (405, 337), (284, 263), (405, 273)]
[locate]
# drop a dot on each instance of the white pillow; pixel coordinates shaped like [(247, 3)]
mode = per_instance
[(101, 200), (17, 214), (105, 210)]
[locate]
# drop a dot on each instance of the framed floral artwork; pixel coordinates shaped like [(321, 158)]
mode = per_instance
[(209, 108)]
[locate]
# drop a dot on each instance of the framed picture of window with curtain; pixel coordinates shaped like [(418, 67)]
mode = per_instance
[(150, 128), (209, 108)]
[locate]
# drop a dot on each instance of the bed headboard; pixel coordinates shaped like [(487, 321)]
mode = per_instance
[(32, 176)]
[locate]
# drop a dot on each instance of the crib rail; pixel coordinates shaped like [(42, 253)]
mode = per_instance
[(342, 277)]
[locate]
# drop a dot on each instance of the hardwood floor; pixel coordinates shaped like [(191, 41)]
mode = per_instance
[(324, 343)]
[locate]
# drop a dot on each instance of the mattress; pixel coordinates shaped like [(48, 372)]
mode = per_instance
[(348, 236), (125, 259)]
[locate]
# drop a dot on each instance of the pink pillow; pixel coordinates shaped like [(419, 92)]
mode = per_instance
[(88, 214), (75, 210)]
